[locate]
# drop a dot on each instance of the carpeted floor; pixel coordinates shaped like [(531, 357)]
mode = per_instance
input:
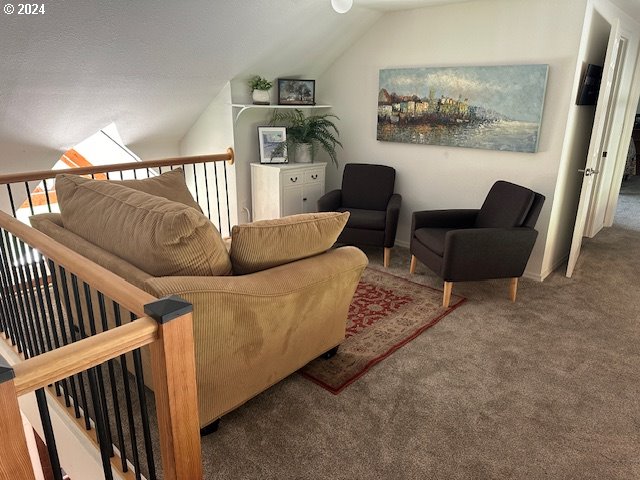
[(546, 388)]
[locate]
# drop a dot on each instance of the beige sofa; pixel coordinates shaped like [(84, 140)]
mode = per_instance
[(250, 330)]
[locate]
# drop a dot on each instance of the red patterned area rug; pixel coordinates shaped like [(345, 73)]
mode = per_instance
[(386, 313)]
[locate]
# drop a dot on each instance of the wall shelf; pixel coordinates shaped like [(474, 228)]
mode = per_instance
[(241, 107)]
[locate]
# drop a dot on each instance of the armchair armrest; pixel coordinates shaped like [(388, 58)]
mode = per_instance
[(391, 219), (483, 253), (458, 218), (330, 201)]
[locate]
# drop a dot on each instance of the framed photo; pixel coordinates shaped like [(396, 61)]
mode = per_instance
[(296, 92), (273, 144)]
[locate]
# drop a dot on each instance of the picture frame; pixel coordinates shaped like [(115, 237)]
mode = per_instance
[(293, 91), (273, 144)]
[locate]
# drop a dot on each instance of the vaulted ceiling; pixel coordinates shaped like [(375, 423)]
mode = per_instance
[(153, 66)]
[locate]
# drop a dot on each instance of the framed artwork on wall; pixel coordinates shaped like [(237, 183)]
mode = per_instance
[(296, 92), (489, 107), (273, 144)]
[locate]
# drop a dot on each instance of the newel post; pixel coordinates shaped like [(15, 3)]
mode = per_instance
[(15, 461), (174, 384)]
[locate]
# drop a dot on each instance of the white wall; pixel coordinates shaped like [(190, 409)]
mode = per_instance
[(213, 133), (491, 32)]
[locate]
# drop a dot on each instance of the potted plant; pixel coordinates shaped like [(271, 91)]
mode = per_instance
[(260, 90), (306, 133)]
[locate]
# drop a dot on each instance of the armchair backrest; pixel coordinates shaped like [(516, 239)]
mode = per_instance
[(509, 205), (367, 186)]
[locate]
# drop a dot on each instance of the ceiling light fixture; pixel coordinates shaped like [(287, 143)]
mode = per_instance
[(342, 6)]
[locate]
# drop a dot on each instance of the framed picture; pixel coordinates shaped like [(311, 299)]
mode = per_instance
[(296, 92), (273, 144), (490, 107)]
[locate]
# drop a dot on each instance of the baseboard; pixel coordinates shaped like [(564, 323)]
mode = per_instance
[(555, 266)]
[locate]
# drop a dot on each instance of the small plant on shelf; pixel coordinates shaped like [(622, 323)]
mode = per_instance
[(260, 90), (259, 83), (307, 133)]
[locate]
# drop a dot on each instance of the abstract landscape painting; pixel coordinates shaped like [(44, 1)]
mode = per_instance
[(491, 107)]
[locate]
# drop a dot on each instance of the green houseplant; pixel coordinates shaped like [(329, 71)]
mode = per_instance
[(260, 90), (308, 133)]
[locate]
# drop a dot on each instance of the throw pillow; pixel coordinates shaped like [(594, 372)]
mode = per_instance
[(170, 185), (158, 236), (268, 243)]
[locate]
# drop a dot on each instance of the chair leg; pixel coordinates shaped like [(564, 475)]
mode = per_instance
[(446, 298), (414, 261), (513, 289), (387, 256)]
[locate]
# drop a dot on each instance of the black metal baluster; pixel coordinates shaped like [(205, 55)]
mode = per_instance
[(46, 195), (72, 332), (13, 205), (195, 181), (114, 389), (49, 436), (226, 192), (144, 414), (54, 322), (135, 175), (26, 187), (19, 338), (19, 285), (160, 169), (121, 175), (127, 394), (102, 398), (101, 424), (32, 307), (206, 188), (63, 334), (215, 173), (148, 173), (46, 320)]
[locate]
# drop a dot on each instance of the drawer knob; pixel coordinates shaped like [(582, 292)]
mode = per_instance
[(304, 199), (314, 176), (293, 179)]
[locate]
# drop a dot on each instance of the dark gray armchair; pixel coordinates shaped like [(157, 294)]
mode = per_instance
[(492, 242), (367, 194)]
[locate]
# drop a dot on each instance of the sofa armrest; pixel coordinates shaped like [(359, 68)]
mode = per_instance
[(252, 330), (391, 219), (330, 201), (484, 253), (458, 218)]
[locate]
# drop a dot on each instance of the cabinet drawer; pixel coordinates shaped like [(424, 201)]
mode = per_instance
[(316, 175), (293, 178)]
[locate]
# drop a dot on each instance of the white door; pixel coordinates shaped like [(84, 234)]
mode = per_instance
[(598, 136)]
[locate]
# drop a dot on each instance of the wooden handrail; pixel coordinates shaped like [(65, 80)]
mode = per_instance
[(229, 156), (42, 370), (110, 284)]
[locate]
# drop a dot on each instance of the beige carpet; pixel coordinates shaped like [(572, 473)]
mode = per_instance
[(546, 388)]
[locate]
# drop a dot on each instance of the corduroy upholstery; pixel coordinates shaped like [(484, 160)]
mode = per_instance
[(268, 243), (154, 234), (492, 242), (367, 194), (250, 330), (170, 185)]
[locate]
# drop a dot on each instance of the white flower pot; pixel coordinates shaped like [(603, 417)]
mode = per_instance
[(261, 97), (304, 153)]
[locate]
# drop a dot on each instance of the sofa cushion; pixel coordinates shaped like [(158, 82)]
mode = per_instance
[(170, 185), (506, 205), (366, 219), (156, 235), (268, 243)]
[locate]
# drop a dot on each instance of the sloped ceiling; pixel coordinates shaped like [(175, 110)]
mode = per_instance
[(153, 66)]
